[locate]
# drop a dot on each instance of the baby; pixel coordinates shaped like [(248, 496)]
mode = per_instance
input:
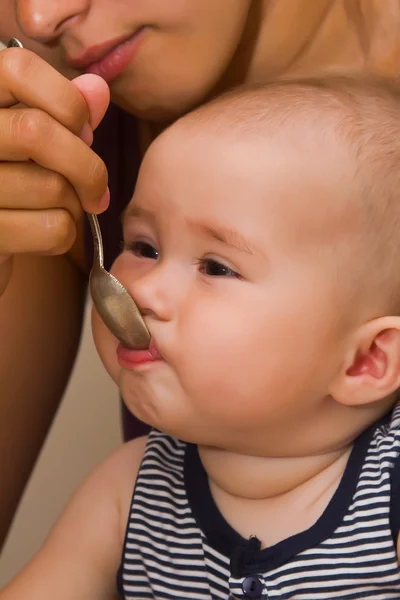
[(262, 247)]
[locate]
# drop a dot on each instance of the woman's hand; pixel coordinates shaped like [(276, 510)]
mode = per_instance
[(48, 173)]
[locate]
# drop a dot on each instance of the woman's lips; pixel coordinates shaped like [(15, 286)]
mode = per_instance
[(115, 62), (131, 358)]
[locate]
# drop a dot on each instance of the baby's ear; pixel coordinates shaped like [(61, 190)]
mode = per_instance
[(371, 370)]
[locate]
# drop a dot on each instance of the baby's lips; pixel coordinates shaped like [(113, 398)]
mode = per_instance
[(154, 351)]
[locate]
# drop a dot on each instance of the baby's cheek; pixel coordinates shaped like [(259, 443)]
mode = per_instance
[(212, 371), (120, 267), (221, 359), (216, 353)]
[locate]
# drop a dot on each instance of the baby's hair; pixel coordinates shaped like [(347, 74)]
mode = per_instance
[(362, 114)]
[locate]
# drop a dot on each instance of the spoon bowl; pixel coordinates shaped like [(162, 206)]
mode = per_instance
[(114, 304)]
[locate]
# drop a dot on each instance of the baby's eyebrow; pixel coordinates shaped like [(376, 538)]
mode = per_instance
[(222, 233), (228, 236), (132, 210)]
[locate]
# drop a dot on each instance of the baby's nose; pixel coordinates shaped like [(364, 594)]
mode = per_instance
[(153, 294)]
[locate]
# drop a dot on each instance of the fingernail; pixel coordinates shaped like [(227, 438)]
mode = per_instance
[(87, 134), (105, 200)]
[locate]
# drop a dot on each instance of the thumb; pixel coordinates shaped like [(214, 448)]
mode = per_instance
[(97, 95)]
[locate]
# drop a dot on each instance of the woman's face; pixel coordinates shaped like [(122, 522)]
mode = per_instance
[(160, 57)]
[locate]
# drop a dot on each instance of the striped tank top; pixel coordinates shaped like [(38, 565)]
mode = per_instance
[(178, 545)]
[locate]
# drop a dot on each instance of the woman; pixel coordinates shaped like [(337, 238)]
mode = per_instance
[(160, 59)]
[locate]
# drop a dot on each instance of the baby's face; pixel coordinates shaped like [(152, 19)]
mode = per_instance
[(231, 254)]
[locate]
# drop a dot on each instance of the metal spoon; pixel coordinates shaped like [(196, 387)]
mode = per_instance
[(112, 301), (114, 304)]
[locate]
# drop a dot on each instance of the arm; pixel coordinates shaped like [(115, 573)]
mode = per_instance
[(80, 559), (40, 324), (48, 174)]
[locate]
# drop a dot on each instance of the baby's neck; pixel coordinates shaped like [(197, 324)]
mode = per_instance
[(254, 477), (272, 498)]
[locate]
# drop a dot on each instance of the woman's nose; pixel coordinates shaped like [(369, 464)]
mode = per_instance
[(43, 20)]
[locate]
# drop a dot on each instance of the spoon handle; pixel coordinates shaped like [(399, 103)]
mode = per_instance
[(97, 239)]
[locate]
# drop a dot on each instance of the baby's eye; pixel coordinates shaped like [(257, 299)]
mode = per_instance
[(143, 249), (213, 268)]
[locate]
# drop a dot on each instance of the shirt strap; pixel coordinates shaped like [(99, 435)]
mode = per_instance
[(395, 500)]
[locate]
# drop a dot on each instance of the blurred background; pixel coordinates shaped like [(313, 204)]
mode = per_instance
[(86, 429)]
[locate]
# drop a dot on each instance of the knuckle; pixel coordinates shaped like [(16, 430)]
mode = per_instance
[(62, 194), (97, 173), (56, 186), (31, 126), (75, 110), (15, 63), (58, 230)]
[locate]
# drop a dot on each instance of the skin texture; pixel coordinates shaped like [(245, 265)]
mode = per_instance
[(191, 285), (191, 50)]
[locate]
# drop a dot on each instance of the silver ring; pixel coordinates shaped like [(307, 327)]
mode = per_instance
[(14, 43)]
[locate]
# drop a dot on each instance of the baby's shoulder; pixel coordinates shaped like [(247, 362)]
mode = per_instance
[(118, 474), (125, 461)]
